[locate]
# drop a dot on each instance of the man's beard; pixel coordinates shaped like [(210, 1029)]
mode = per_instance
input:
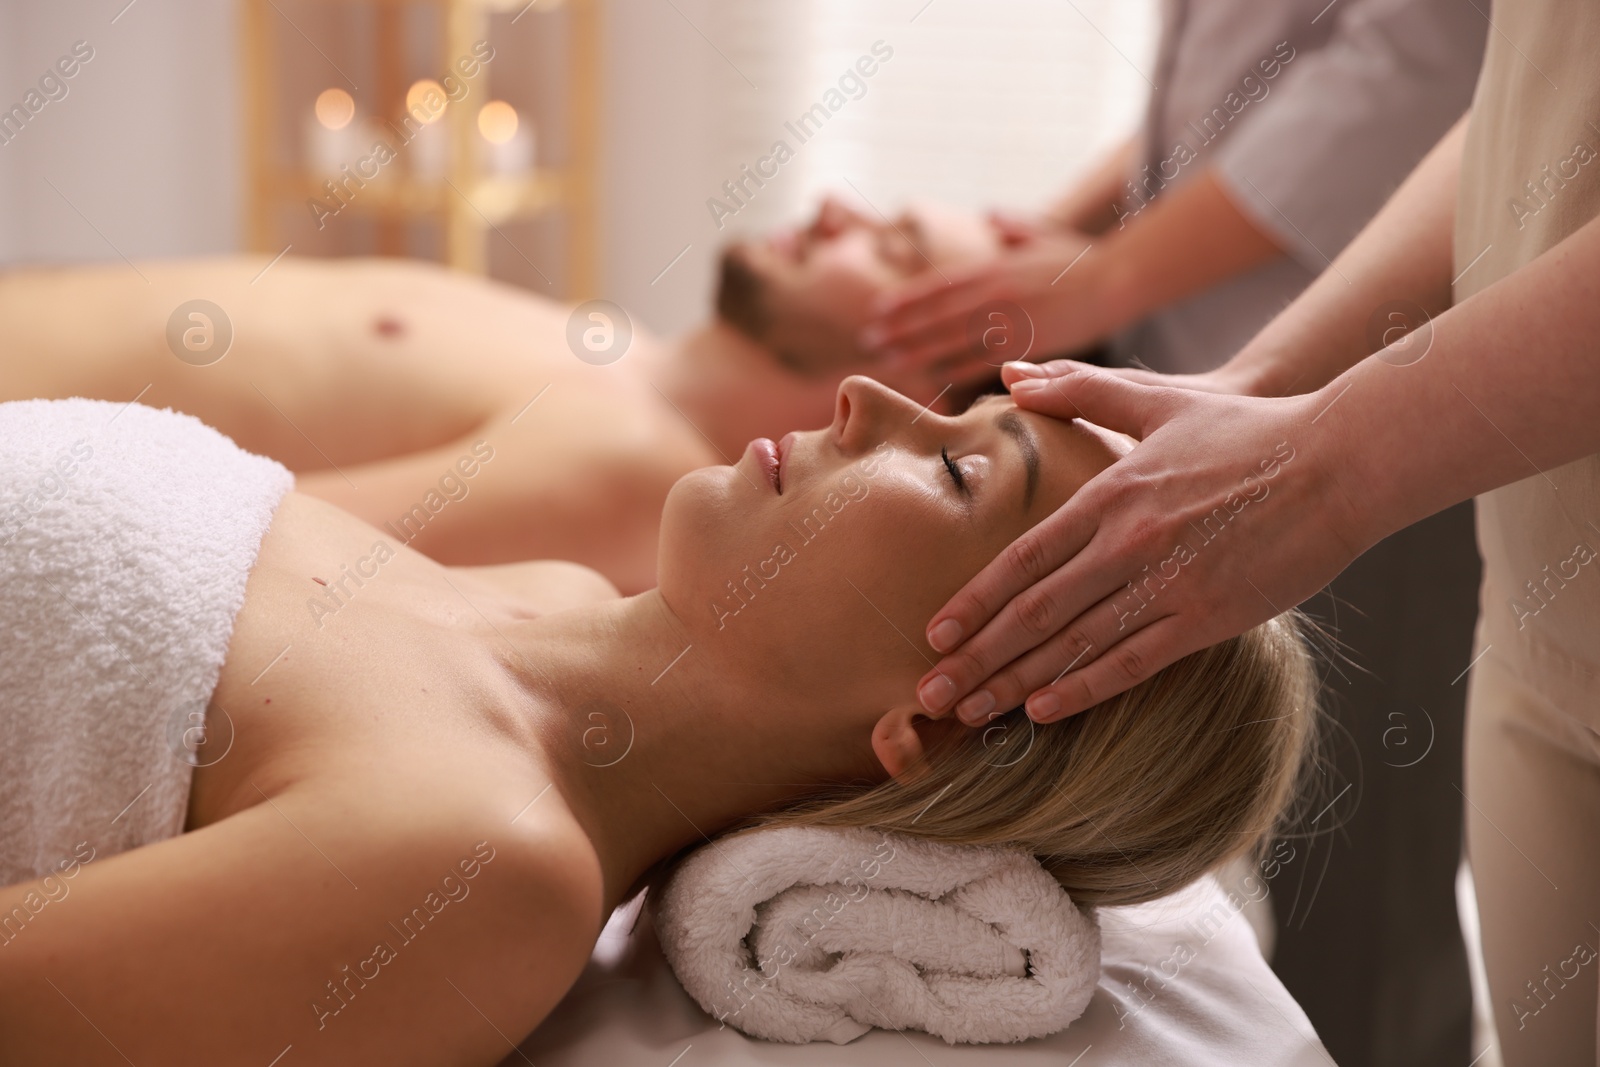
[(745, 301), (741, 296)]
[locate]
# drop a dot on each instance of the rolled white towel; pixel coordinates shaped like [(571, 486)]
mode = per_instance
[(817, 933)]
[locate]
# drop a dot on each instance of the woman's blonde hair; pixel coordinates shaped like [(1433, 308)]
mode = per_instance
[(1130, 800)]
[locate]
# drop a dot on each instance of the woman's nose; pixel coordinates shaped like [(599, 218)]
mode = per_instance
[(868, 412)]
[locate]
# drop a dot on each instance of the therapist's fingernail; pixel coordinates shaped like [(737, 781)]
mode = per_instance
[(936, 693), (1042, 707), (1029, 387), (1024, 368), (976, 708), (945, 636)]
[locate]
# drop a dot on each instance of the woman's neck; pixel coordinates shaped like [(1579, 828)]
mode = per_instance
[(656, 742)]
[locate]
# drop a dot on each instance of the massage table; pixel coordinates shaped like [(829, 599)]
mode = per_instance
[(1182, 982)]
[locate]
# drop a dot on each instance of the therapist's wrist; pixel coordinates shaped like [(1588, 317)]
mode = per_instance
[(1112, 288), (1364, 465), (1275, 363), (1253, 374)]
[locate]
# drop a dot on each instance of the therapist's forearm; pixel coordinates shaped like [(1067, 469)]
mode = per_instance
[(1089, 206), (1183, 243), (1508, 388), (1404, 253)]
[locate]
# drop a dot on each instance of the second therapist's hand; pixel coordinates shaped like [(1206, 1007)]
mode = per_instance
[(1227, 512), (933, 323)]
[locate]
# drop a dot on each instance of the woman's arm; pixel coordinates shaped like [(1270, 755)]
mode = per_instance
[(357, 927)]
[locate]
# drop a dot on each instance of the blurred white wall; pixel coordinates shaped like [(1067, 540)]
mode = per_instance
[(143, 145), (982, 103), (660, 149)]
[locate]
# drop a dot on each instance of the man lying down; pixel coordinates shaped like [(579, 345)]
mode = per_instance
[(194, 888), (401, 392)]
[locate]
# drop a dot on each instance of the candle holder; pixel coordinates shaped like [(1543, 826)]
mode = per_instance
[(439, 151)]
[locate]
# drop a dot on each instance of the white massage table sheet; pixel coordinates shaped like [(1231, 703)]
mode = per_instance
[(1182, 982)]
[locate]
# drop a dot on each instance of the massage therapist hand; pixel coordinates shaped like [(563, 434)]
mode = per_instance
[(936, 323), (1075, 288), (1191, 538)]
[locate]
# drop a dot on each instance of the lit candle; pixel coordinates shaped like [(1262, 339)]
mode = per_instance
[(428, 148), (329, 135), (426, 101), (508, 142)]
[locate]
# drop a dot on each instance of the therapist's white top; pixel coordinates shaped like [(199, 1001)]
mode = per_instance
[(1311, 113), (1530, 177)]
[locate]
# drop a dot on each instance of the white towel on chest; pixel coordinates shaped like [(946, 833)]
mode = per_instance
[(808, 933), (126, 537)]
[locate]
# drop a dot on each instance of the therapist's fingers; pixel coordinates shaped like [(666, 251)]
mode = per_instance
[(1016, 230), (1221, 380), (921, 305), (1069, 674), (1085, 392), (1069, 618), (1040, 584), (1025, 587), (1018, 369), (1103, 628), (1121, 667)]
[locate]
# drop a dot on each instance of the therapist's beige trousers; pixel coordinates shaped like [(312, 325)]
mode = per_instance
[(1533, 838)]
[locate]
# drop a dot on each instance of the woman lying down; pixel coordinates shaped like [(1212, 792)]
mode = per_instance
[(516, 746)]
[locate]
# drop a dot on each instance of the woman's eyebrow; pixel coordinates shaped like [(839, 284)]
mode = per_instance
[(1028, 445)]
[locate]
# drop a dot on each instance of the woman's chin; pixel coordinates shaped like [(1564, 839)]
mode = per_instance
[(704, 509)]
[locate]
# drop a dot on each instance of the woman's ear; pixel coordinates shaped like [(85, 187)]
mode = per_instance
[(901, 737)]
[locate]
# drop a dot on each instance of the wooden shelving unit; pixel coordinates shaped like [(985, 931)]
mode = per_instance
[(469, 204)]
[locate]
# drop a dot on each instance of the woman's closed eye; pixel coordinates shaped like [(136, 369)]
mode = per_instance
[(955, 470)]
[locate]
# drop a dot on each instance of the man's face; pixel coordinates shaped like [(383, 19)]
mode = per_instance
[(805, 291)]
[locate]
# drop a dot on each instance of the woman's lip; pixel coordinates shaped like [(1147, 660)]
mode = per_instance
[(768, 456), (785, 446)]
